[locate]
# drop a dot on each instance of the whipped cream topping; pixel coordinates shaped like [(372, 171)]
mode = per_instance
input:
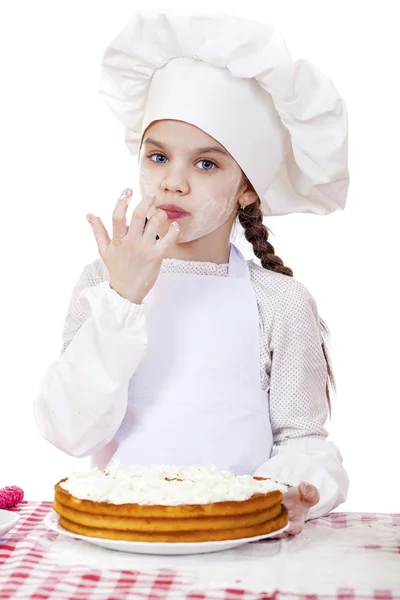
[(164, 485)]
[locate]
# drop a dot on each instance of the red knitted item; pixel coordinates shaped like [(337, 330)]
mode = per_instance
[(10, 496)]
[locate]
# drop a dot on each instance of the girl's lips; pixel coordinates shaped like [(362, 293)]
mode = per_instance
[(174, 215), (174, 212)]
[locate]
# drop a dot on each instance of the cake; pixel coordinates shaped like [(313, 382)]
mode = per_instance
[(165, 503)]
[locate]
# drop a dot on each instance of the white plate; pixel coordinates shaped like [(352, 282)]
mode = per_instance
[(7, 520), (169, 548)]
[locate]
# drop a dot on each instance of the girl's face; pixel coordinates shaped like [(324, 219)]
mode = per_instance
[(179, 164)]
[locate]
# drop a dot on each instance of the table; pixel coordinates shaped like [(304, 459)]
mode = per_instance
[(344, 556)]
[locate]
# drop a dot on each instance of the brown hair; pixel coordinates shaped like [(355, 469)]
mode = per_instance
[(251, 219)]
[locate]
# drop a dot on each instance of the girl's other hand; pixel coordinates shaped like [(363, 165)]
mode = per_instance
[(133, 256), (298, 500)]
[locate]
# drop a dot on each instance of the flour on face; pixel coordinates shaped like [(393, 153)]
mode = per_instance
[(211, 197)]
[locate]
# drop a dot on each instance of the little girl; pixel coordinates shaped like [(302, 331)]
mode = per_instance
[(177, 350)]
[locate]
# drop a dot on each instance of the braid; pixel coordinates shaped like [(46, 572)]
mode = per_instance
[(251, 219)]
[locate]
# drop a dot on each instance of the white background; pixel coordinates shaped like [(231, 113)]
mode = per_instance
[(63, 156)]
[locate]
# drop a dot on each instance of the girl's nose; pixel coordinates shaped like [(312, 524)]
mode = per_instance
[(175, 183)]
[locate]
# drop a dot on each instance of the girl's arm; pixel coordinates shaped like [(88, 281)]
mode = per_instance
[(298, 404), (314, 461), (82, 398)]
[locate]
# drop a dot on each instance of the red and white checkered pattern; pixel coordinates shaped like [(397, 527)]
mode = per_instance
[(27, 572)]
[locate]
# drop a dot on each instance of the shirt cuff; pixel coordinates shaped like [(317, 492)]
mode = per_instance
[(313, 460)]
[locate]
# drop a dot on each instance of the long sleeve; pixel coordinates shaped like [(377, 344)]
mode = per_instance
[(298, 405), (83, 395)]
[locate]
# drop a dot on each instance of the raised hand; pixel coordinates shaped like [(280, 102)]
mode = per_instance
[(133, 256)]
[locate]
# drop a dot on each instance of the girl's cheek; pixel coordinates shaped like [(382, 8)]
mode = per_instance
[(147, 184), (213, 213)]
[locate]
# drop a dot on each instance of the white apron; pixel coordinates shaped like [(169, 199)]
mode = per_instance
[(196, 396)]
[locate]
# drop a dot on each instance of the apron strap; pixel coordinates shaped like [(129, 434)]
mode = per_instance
[(238, 266)]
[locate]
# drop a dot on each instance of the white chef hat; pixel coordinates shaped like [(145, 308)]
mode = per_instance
[(282, 121)]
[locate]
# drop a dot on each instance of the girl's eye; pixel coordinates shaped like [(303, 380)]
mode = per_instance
[(155, 154), (203, 160)]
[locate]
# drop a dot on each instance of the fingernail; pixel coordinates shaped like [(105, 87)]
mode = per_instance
[(126, 195), (91, 220)]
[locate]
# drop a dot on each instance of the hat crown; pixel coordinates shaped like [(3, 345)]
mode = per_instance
[(283, 121)]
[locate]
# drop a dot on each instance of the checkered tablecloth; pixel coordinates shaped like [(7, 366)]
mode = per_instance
[(345, 556)]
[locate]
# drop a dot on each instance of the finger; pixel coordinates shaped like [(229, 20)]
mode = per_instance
[(279, 536), (308, 493), (295, 528), (119, 215), (169, 239), (152, 211), (154, 224), (100, 234), (139, 215)]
